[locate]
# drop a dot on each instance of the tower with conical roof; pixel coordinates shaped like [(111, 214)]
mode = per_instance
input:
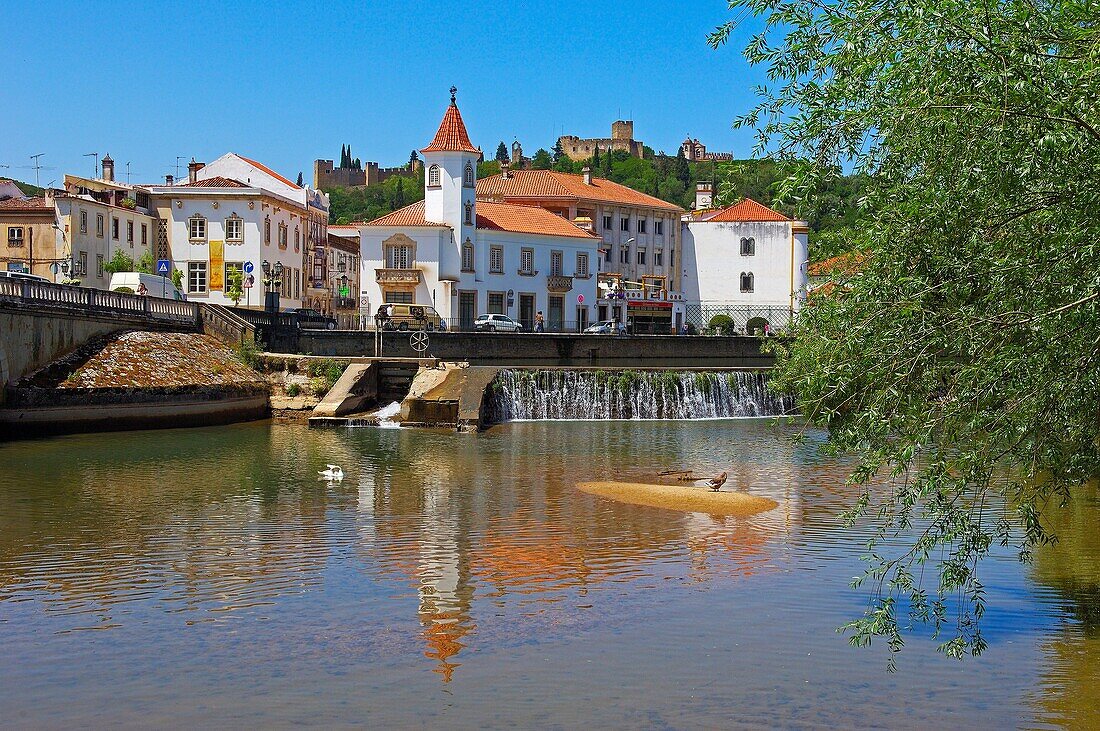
[(450, 176)]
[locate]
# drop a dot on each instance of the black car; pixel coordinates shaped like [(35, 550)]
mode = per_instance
[(311, 319)]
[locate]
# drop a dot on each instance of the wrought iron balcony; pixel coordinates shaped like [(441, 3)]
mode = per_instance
[(558, 283), (397, 276)]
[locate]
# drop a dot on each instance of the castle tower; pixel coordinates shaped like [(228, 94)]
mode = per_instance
[(517, 155), (450, 177)]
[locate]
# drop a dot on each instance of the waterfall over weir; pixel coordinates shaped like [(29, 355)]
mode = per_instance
[(599, 394)]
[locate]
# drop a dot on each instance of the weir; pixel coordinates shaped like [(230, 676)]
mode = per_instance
[(613, 394)]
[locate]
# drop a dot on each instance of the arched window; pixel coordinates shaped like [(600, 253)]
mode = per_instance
[(433, 176), (468, 256), (748, 246), (469, 214), (468, 176), (746, 281)]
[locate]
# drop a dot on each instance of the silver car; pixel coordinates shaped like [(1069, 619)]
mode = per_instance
[(494, 323), (607, 327)]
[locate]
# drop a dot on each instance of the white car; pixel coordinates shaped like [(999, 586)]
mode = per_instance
[(607, 327), (493, 323)]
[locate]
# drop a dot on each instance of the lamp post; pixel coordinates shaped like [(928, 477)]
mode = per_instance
[(273, 282)]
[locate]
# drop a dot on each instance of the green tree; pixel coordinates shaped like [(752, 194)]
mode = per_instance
[(414, 158), (343, 156), (300, 181), (502, 153), (235, 286), (177, 279), (681, 169), (596, 158), (120, 262), (958, 363), (145, 264), (542, 160), (559, 153)]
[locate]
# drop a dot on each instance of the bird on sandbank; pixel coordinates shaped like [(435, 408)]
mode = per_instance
[(715, 483)]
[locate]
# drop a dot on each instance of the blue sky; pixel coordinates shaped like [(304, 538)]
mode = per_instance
[(288, 83)]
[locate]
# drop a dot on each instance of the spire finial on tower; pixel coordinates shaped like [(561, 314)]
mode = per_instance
[(454, 91)]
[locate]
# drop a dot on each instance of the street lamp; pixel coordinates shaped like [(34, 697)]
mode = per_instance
[(273, 282)]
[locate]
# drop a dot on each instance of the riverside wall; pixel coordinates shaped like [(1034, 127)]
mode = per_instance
[(543, 349)]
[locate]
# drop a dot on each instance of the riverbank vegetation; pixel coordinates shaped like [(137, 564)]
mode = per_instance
[(961, 362)]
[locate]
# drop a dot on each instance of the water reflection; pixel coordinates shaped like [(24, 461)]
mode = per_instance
[(439, 552)]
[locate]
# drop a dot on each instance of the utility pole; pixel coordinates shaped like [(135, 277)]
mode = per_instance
[(127, 173), (95, 163), (37, 167)]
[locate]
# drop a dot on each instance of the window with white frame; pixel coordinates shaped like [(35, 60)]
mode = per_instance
[(399, 257), (197, 227), (469, 219), (659, 228), (748, 246), (15, 235), (467, 256), (231, 268), (496, 260), (234, 229), (114, 228), (555, 263), (83, 222), (641, 257), (82, 264), (582, 264), (746, 281), (144, 234), (658, 257), (624, 223), (99, 225), (433, 176), (607, 223), (495, 304), (99, 265), (641, 225), (196, 277), (527, 261), (624, 254), (468, 176), (130, 233)]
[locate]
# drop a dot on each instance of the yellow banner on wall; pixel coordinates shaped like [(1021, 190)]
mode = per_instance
[(217, 265)]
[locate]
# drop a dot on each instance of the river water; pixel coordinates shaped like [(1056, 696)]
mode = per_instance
[(208, 578)]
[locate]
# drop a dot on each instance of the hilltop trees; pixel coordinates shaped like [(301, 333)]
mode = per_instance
[(960, 364)]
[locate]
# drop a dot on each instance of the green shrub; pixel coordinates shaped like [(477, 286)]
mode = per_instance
[(319, 387), (721, 324), (124, 290), (249, 354), (293, 389)]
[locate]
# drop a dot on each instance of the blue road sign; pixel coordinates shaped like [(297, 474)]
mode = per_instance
[(248, 267), (164, 266)]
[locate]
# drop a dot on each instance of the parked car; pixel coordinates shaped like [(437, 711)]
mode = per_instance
[(492, 323), (311, 319), (155, 285), (607, 327), (394, 316)]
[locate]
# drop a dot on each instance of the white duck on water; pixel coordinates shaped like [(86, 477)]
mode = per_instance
[(332, 473)]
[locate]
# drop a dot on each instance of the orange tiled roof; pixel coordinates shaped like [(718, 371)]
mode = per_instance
[(526, 220), (451, 136), (215, 182), (542, 184), (844, 264), (269, 171), (412, 215), (494, 217), (25, 204), (747, 210)]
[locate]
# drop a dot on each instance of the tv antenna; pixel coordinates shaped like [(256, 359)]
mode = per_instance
[(37, 168), (95, 163)]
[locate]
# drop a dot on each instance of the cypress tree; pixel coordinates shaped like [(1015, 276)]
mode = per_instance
[(502, 152), (596, 157)]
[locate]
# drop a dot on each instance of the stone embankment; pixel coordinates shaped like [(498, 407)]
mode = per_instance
[(137, 380)]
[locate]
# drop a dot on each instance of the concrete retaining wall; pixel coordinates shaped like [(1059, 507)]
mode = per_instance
[(510, 349)]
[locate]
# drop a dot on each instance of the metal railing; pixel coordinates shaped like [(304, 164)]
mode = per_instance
[(98, 301)]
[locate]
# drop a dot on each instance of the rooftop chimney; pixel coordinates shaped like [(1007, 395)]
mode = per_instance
[(505, 172), (108, 168), (193, 169), (169, 180), (704, 195), (587, 175)]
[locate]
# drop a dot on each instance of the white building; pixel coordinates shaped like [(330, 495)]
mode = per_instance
[(98, 217), (467, 256), (746, 261), (214, 224)]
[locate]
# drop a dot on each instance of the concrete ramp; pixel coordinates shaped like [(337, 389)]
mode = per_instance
[(450, 396), (357, 388)]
